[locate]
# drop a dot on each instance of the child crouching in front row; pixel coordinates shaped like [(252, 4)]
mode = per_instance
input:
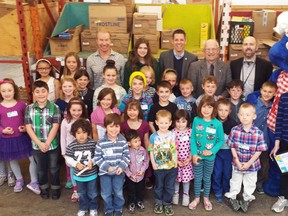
[(139, 162), (112, 157), (247, 143), (80, 154)]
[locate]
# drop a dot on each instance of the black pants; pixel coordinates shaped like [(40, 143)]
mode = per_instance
[(135, 190), (283, 177)]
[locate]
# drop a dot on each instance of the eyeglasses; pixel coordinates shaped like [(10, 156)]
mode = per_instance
[(43, 69)]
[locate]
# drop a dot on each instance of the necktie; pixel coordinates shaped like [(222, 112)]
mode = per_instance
[(211, 70)]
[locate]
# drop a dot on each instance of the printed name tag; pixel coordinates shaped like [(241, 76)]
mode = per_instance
[(109, 152), (244, 146), (184, 138), (144, 106), (12, 114), (210, 130), (166, 145)]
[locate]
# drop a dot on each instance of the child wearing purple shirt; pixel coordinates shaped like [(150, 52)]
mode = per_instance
[(139, 162)]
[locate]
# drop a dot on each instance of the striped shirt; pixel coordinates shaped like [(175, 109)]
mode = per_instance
[(246, 145), (112, 154), (281, 130), (84, 153), (42, 120), (95, 64)]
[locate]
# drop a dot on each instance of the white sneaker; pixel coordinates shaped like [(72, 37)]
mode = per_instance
[(81, 213), (93, 213), (175, 199), (280, 204), (185, 200)]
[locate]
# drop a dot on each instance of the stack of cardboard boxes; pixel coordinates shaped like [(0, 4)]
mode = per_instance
[(112, 18), (145, 25)]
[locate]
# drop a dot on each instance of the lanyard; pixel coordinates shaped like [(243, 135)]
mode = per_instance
[(242, 71)]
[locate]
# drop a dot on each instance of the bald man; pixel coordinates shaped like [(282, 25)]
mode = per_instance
[(252, 70), (211, 65)]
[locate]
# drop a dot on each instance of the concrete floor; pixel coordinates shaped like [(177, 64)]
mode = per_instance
[(27, 203)]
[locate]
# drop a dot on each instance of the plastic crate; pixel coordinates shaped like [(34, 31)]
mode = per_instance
[(239, 30)]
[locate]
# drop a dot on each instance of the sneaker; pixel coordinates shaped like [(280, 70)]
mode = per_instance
[(44, 193), (280, 204), (2, 180), (118, 213), (244, 205), (259, 190), (68, 185), (93, 213), (131, 208), (168, 210), (234, 204), (11, 180), (34, 187), (219, 198), (55, 194), (175, 199), (148, 184), (158, 209), (81, 213), (19, 186), (75, 196), (185, 200), (140, 206)]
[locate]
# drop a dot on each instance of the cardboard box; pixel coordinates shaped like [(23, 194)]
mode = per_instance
[(235, 51), (111, 17), (166, 39), (88, 41), (129, 4), (153, 9), (153, 41), (144, 23), (61, 46), (204, 34), (120, 42), (264, 22)]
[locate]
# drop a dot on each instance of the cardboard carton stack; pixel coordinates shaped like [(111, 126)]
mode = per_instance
[(145, 25), (166, 39), (111, 18)]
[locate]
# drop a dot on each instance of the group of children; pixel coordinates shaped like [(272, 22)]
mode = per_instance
[(126, 138)]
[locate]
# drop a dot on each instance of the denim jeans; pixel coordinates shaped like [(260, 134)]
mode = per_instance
[(48, 161), (165, 185), (112, 185), (88, 195)]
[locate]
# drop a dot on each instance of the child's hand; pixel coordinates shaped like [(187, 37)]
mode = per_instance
[(154, 167), (239, 165), (206, 153), (80, 166), (119, 171), (90, 165), (196, 158), (111, 169), (43, 147), (133, 177), (22, 128), (180, 163), (139, 173), (8, 130), (186, 162), (245, 166)]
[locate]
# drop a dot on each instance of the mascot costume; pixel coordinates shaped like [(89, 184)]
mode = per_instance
[(278, 56)]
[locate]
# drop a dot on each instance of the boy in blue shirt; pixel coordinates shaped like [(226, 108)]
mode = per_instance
[(263, 103)]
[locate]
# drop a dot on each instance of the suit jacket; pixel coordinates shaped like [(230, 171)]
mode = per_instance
[(166, 60), (263, 71), (198, 70)]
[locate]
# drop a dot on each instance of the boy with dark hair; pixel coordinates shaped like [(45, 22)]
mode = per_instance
[(139, 162), (235, 89), (42, 119), (263, 103), (163, 156), (112, 157), (222, 171), (80, 155), (164, 90)]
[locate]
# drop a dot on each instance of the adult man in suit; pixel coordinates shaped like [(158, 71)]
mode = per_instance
[(211, 65), (252, 70), (177, 58)]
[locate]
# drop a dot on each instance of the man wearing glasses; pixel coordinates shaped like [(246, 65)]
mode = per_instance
[(211, 65)]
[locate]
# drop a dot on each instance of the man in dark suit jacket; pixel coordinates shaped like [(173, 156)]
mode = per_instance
[(256, 70), (177, 58), (211, 65)]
